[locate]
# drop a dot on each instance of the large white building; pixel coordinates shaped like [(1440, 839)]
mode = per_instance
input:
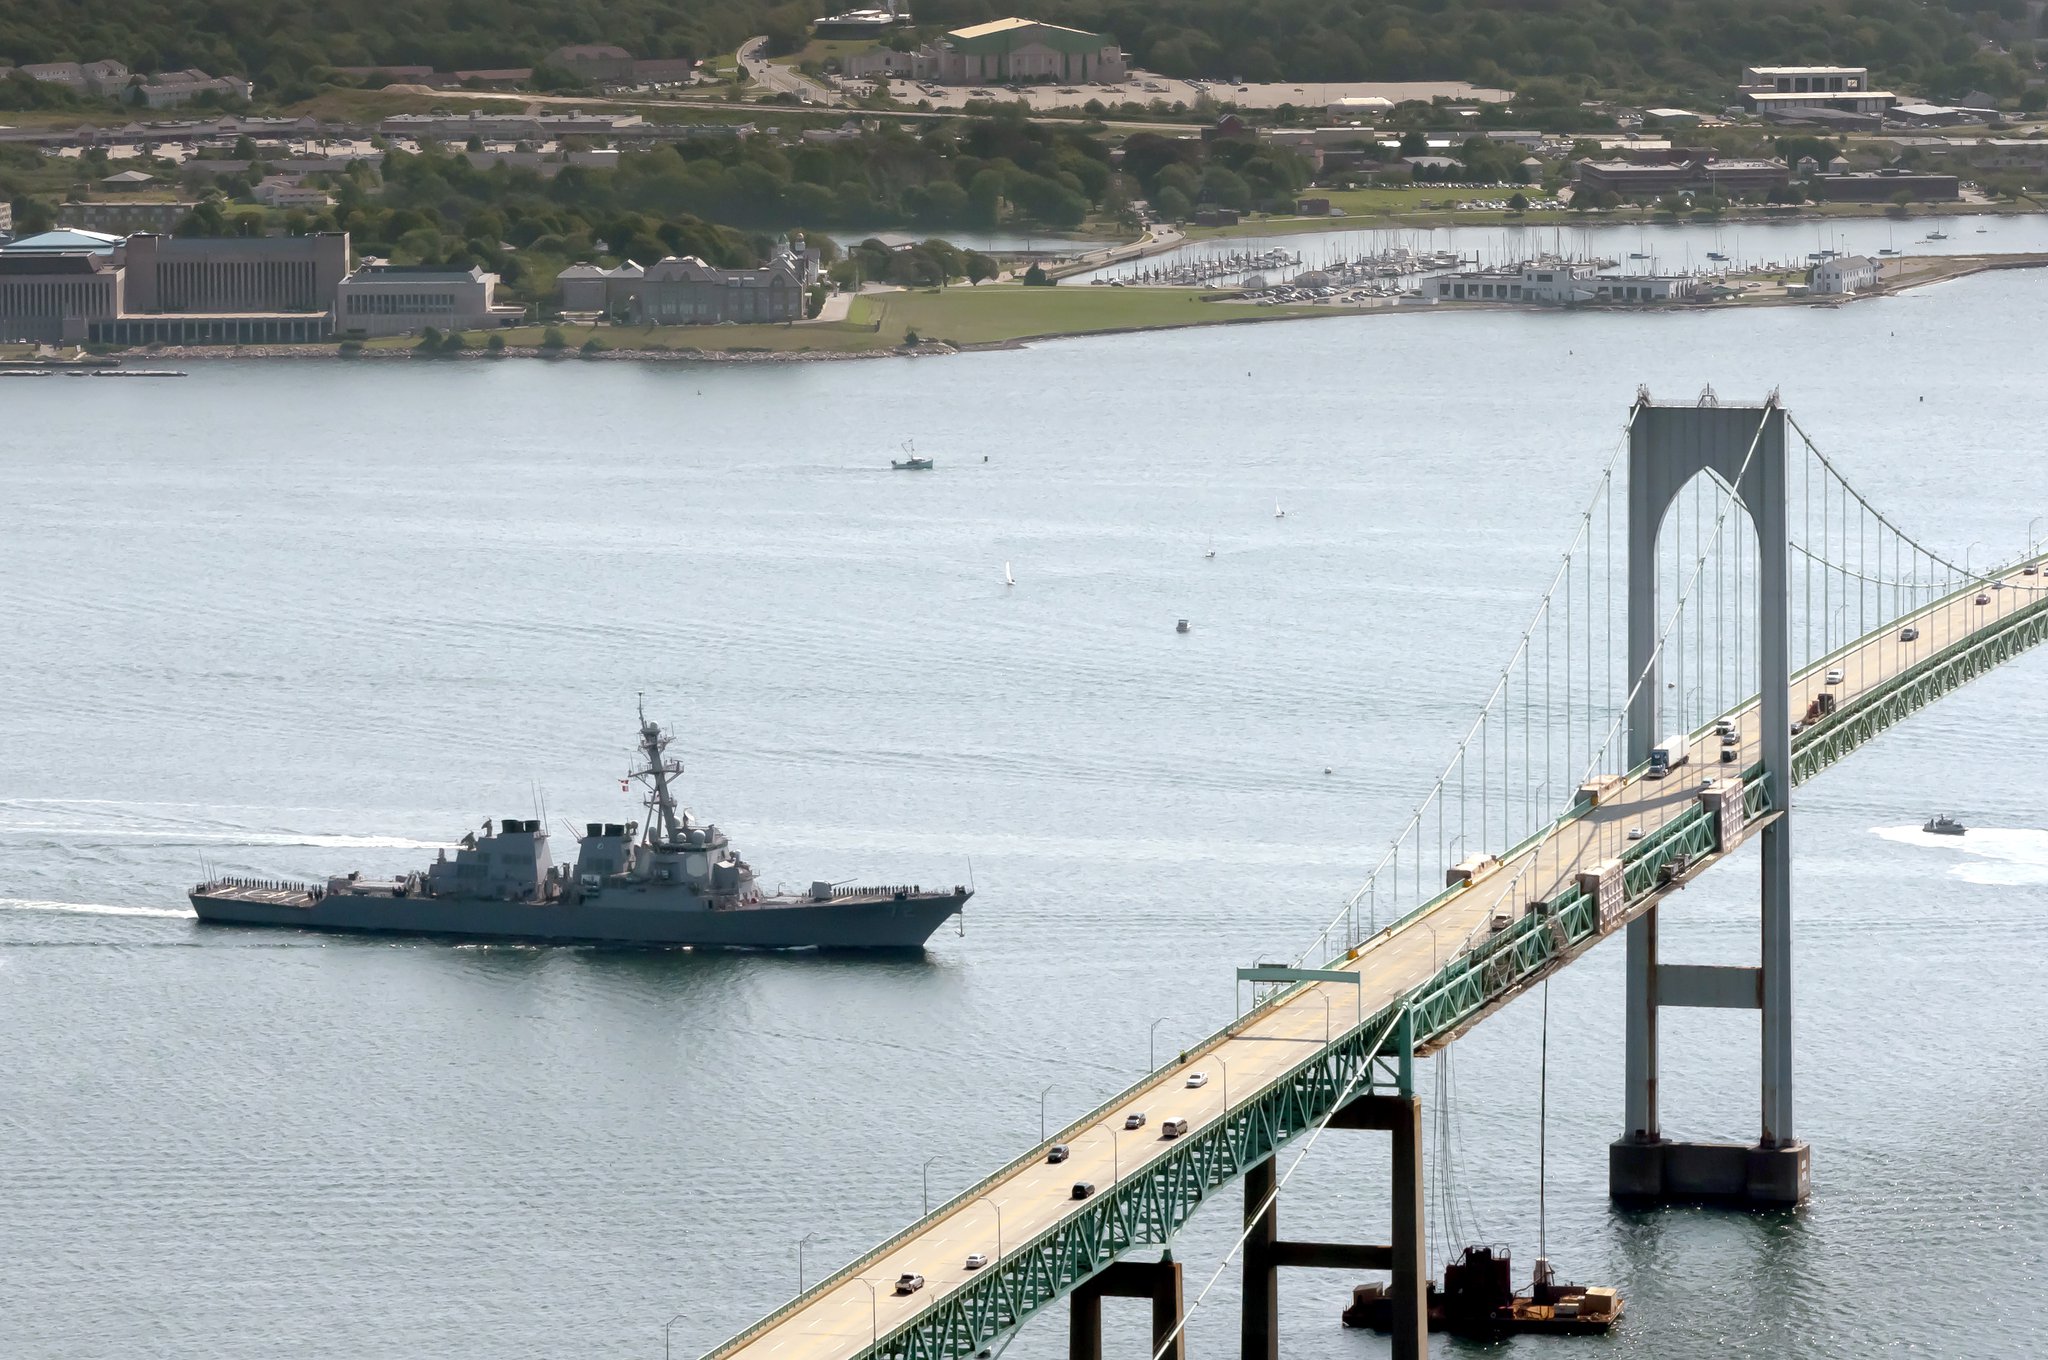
[(1845, 89), (1002, 52), (1560, 283), (1845, 274)]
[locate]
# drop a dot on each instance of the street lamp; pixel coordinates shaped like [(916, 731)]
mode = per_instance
[(1324, 997), (999, 1225), (801, 1244), (1226, 1084), (1116, 1170), (874, 1313), (1974, 545), (2032, 542), (928, 1181), (1151, 1045), (1041, 1110), (665, 1330)]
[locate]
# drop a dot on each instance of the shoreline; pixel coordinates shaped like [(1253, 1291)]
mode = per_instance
[(1216, 309), (1554, 217)]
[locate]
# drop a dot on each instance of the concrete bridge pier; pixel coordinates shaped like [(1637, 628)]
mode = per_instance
[(1265, 1253), (1745, 447), (1158, 1281)]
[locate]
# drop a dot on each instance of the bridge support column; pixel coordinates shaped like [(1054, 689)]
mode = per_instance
[(1259, 1331), (1265, 1253), (1745, 447), (1159, 1281)]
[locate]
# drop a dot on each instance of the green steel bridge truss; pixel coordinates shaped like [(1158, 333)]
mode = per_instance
[(1374, 1055)]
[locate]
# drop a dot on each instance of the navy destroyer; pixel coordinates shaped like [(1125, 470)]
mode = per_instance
[(675, 882)]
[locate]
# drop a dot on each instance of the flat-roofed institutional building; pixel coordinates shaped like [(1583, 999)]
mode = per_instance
[(235, 273), (1846, 89), (393, 299), (82, 285), (1002, 52)]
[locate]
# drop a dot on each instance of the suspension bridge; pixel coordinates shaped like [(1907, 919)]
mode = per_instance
[(1746, 620)]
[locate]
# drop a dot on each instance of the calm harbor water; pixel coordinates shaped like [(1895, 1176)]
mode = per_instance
[(1646, 248), (289, 619)]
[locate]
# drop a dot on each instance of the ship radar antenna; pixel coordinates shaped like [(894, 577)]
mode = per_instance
[(661, 801)]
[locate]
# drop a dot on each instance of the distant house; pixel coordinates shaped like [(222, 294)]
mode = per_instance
[(1433, 167), (124, 218), (1359, 106), (503, 78), (596, 62), (127, 181), (1885, 185), (172, 88), (287, 191)]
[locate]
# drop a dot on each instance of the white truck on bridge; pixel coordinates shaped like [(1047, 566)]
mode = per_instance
[(1669, 754)]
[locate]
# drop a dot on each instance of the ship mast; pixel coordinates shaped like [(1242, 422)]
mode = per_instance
[(653, 741)]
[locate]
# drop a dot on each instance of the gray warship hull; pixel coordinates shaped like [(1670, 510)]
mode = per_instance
[(892, 922)]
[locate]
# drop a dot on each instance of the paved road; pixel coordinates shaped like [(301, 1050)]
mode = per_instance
[(754, 64), (839, 1320)]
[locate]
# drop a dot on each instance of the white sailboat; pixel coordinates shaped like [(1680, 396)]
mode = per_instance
[(1278, 513), (1008, 579)]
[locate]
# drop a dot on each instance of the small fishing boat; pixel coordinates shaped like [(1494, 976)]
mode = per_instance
[(1181, 627), (1944, 825), (910, 462)]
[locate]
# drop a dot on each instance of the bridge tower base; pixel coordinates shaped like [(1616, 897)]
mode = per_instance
[(1158, 1281), (1738, 1175), (1265, 1253)]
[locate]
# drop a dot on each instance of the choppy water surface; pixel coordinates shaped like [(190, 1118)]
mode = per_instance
[(292, 619)]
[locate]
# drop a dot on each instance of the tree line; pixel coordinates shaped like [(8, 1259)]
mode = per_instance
[(1945, 48)]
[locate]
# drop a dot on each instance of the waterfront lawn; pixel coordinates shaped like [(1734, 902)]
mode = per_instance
[(994, 313)]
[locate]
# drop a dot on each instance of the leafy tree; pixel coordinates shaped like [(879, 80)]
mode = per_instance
[(1518, 202), (553, 339), (429, 341), (496, 344), (980, 267), (1036, 277)]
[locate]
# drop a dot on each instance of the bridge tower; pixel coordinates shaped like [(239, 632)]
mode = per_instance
[(1745, 447)]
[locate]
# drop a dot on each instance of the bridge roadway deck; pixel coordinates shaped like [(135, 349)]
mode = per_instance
[(839, 1318)]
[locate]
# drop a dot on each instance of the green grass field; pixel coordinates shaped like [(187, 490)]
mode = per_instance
[(994, 313), (990, 314)]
